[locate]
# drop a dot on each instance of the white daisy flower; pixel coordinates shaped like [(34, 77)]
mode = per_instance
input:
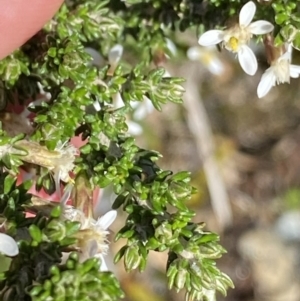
[(235, 39), (8, 246), (280, 72), (208, 57)]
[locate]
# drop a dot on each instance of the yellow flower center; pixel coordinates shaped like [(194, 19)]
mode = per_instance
[(233, 44), (207, 58), (235, 37)]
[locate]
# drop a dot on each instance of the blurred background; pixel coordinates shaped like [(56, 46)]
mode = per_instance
[(243, 153)]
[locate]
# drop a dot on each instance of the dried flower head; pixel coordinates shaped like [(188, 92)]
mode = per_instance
[(280, 71), (60, 161), (92, 237)]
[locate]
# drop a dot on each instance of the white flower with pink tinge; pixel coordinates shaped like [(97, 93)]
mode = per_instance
[(236, 38), (280, 72)]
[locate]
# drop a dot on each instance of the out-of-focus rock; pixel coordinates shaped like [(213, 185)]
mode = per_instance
[(273, 265), (288, 226)]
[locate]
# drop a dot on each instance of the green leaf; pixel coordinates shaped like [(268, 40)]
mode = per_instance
[(52, 52), (56, 211), (8, 183), (35, 233), (281, 18)]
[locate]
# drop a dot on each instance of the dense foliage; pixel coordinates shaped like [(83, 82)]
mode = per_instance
[(78, 98)]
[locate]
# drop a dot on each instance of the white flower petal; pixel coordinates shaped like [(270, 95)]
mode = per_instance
[(294, 71), (97, 105), (171, 46), (194, 53), (58, 175), (115, 54), (103, 267), (167, 74), (247, 60), (141, 112), (289, 47), (211, 37), (135, 104), (247, 13), (286, 56), (144, 108), (261, 27), (104, 200), (148, 103), (43, 92), (216, 67), (8, 246), (92, 248), (267, 81), (134, 128), (118, 101), (67, 193), (107, 219), (97, 58), (294, 74)]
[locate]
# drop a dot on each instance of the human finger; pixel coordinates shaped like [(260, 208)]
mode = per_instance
[(20, 20)]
